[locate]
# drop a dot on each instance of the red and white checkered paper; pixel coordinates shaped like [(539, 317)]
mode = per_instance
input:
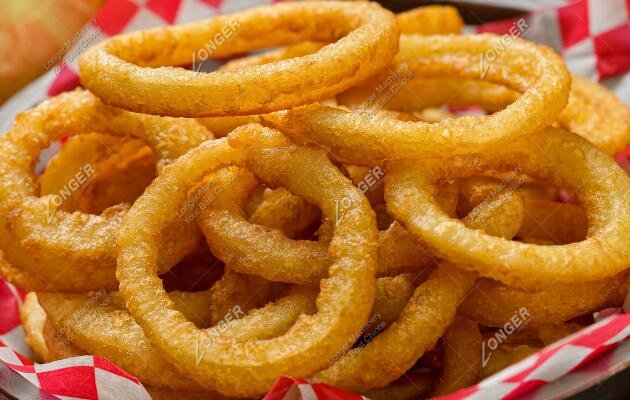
[(594, 38)]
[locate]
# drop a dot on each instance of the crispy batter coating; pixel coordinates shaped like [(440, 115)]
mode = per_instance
[(462, 356), (559, 157), (364, 138), (134, 71), (311, 340), (66, 251)]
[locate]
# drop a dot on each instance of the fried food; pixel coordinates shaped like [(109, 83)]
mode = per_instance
[(592, 111), (505, 356), (377, 209), (59, 347), (595, 113), (411, 387), (433, 303), (221, 126), (197, 271), (462, 356), (251, 248), (311, 176), (119, 181), (92, 323), (491, 303), (247, 292), (283, 211), (368, 32), (558, 223), (75, 153), (82, 258), (33, 318), (364, 138), (102, 326), (576, 163), (430, 20), (123, 168)]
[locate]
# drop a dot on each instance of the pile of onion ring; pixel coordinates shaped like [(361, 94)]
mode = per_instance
[(323, 209)]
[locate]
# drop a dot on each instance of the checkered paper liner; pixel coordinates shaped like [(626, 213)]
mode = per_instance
[(593, 36)]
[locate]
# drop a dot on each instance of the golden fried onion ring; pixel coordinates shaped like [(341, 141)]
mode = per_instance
[(74, 154), (426, 20), (245, 369), (462, 356), (363, 139), (33, 317), (565, 159), (593, 111), (430, 20), (492, 304), (95, 325), (104, 327), (426, 316), (58, 349), (251, 248), (119, 177), (130, 71), (50, 249)]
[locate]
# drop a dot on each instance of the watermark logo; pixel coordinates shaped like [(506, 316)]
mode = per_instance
[(206, 195), (347, 353), (78, 181), (386, 90), (518, 29), (73, 47), (82, 317), (369, 182), (225, 35), (518, 321), (506, 189), (202, 345)]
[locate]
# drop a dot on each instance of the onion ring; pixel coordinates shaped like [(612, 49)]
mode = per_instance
[(58, 349), (33, 317), (593, 111), (491, 303), (391, 296), (55, 250), (549, 334), (255, 249), (105, 328), (414, 387), (221, 126), (283, 211), (129, 71), (485, 203), (360, 139), (233, 368), (433, 304), (426, 20), (75, 153), (430, 20), (462, 356), (296, 50), (554, 155), (248, 292), (118, 180), (102, 329)]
